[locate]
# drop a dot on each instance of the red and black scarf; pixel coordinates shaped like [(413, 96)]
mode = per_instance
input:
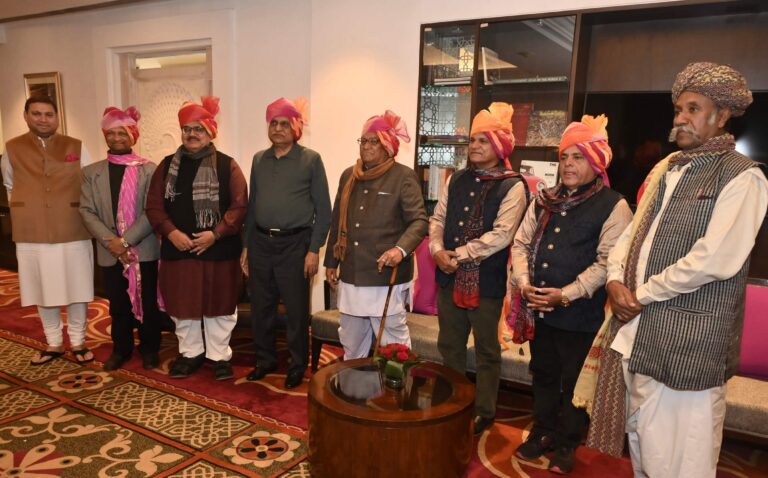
[(466, 289)]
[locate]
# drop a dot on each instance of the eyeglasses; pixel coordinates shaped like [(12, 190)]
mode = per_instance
[(190, 129), (282, 124), (372, 141)]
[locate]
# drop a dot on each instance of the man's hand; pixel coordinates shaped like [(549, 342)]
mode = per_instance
[(115, 246), (244, 261), (202, 241), (543, 299), (390, 258), (311, 264), (624, 303), (331, 275), (446, 261), (180, 240), (126, 258)]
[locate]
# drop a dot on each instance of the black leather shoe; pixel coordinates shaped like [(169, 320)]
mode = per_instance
[(150, 360), (183, 367), (534, 447), (114, 362), (562, 461), (260, 372), (294, 378), (481, 424), (222, 370)]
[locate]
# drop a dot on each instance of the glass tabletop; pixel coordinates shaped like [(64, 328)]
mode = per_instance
[(363, 385)]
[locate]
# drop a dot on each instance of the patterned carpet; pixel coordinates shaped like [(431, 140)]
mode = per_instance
[(67, 420)]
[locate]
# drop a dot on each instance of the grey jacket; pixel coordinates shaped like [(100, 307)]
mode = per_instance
[(96, 210)]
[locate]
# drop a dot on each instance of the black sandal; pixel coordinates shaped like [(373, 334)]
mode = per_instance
[(46, 356), (80, 354)]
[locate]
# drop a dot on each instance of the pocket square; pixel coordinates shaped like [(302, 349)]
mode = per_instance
[(700, 194), (383, 193)]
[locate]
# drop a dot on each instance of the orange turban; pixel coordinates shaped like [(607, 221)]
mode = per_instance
[(389, 128), (296, 111), (204, 114), (117, 118), (496, 124), (591, 137)]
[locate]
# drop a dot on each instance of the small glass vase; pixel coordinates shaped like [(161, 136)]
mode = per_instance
[(394, 383)]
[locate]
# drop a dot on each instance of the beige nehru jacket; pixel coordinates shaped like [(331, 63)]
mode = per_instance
[(46, 189)]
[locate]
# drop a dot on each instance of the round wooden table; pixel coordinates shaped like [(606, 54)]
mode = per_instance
[(358, 427)]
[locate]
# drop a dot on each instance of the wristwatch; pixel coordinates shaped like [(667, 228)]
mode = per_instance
[(564, 300), (124, 243)]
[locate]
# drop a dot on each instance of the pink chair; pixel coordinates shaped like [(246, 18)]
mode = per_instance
[(754, 353)]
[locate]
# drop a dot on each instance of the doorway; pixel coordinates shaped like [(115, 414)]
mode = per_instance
[(158, 82)]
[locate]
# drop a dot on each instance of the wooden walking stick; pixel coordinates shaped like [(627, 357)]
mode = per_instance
[(384, 314)]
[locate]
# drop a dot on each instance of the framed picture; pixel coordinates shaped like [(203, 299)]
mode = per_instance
[(546, 170), (47, 84)]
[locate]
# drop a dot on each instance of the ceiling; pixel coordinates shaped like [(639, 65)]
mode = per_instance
[(12, 10)]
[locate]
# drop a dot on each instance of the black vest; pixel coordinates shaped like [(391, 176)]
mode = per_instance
[(462, 191), (568, 247), (182, 212)]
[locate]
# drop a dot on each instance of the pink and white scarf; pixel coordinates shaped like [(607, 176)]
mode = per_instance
[(126, 216)]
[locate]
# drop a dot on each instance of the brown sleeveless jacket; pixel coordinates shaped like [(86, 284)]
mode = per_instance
[(45, 199)]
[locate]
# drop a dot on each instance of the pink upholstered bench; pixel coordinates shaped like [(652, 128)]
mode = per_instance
[(747, 394)]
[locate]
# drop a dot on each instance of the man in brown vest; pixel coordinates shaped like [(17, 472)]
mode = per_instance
[(41, 170)]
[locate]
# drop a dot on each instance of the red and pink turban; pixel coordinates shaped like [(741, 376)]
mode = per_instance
[(496, 124), (204, 114), (390, 128), (591, 137), (296, 111), (116, 118)]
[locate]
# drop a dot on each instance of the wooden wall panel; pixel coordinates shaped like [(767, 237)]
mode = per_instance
[(646, 55)]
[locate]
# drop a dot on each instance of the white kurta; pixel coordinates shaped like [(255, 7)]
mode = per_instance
[(55, 274), (676, 433), (361, 309)]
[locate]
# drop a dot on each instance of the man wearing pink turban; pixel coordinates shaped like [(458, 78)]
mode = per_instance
[(289, 212), (378, 221), (112, 201), (469, 236), (558, 258), (196, 202)]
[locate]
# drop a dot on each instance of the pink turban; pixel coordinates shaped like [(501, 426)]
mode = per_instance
[(296, 111), (496, 124), (389, 128), (117, 118), (591, 137), (204, 114)]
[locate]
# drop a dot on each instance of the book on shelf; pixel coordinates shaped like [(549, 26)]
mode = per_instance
[(520, 118), (437, 178)]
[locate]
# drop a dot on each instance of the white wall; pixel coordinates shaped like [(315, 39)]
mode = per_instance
[(260, 52), (368, 61), (352, 58)]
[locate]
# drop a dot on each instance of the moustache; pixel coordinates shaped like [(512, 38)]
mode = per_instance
[(684, 129)]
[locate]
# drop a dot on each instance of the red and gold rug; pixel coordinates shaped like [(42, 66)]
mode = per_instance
[(67, 420)]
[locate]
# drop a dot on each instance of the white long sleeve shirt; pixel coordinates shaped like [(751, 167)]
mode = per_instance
[(736, 219)]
